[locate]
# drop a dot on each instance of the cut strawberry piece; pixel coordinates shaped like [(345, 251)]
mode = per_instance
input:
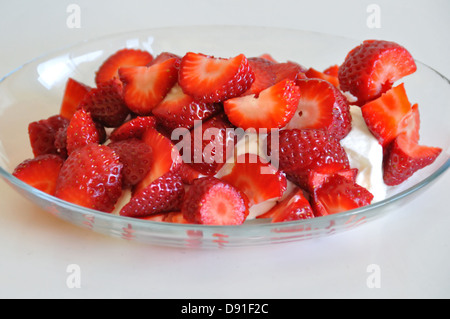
[(339, 194), (188, 174), (271, 109), (371, 68), (384, 114), (42, 134), (91, 177), (122, 58), (134, 128), (181, 110), (164, 194), (316, 179), (315, 74), (264, 75), (287, 71), (259, 180), (165, 157), (294, 207), (321, 106), (40, 172), (268, 57), (405, 157), (164, 56), (332, 70), (74, 94), (210, 79), (105, 103), (211, 201), (146, 86), (81, 131), (136, 157)]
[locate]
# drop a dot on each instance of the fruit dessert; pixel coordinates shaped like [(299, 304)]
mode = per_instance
[(199, 139)]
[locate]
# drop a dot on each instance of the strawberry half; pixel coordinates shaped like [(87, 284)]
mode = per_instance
[(288, 71), (40, 172), (73, 95), (122, 58), (272, 108), (210, 79), (144, 87), (312, 73), (211, 201), (264, 75), (91, 177), (371, 68), (321, 106), (134, 128), (82, 130), (42, 134)]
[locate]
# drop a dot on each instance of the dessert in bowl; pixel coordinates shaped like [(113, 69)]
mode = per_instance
[(127, 160)]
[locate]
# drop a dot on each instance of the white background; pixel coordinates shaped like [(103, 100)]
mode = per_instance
[(411, 247)]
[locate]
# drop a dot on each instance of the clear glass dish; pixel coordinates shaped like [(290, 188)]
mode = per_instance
[(34, 91)]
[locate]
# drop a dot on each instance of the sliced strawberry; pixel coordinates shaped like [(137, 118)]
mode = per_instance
[(212, 79), (332, 70), (371, 68), (91, 177), (384, 114), (271, 109), (125, 57), (287, 71), (163, 56), (268, 57), (164, 194), (81, 131), (73, 95), (211, 201), (40, 172), (321, 106), (134, 128), (188, 174), (146, 86), (264, 75), (405, 157), (294, 207), (42, 135), (136, 157), (181, 110), (105, 103), (339, 194), (259, 180), (315, 74), (316, 179)]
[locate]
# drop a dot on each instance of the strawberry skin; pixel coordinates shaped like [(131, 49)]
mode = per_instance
[(42, 135), (81, 131), (211, 201), (210, 79), (371, 68), (134, 128), (73, 95), (40, 172), (91, 177), (271, 109)]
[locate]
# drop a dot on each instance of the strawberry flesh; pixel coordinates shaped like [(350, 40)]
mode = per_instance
[(74, 94)]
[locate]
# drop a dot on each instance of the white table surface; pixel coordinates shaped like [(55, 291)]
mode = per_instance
[(411, 247)]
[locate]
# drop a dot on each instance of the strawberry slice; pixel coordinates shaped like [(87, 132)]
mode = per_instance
[(313, 73), (125, 57), (405, 157), (384, 114), (42, 134), (271, 109), (210, 79), (259, 180), (332, 70), (181, 110), (211, 201), (294, 207), (165, 194), (339, 194), (287, 71), (40, 172), (371, 68), (146, 86), (81, 131), (316, 179), (134, 128), (91, 177), (73, 95), (163, 56), (264, 75), (321, 106), (188, 174)]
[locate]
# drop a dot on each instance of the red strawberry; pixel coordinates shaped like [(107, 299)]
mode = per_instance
[(73, 95), (164, 194), (371, 68), (125, 57), (91, 177), (136, 157), (384, 114), (212, 79), (287, 71), (316, 179), (42, 135), (294, 207), (81, 131), (332, 70), (259, 180), (40, 172), (339, 194), (163, 56), (405, 157), (302, 151), (105, 103), (272, 108), (264, 75), (144, 87), (315, 74), (188, 174), (268, 57), (181, 110), (211, 201), (134, 128), (321, 106)]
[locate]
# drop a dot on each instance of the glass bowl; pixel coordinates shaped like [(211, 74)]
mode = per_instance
[(34, 91)]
